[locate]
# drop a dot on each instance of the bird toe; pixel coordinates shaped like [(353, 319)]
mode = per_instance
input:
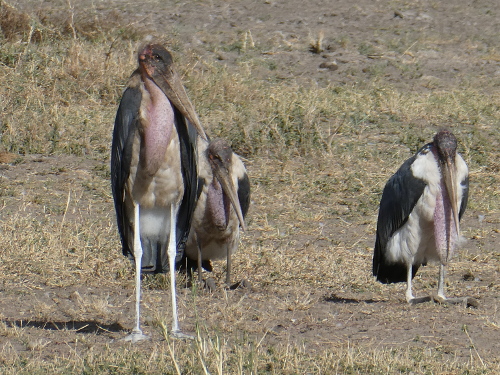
[(210, 284), (466, 301), (417, 300), (136, 337), (180, 335), (240, 284)]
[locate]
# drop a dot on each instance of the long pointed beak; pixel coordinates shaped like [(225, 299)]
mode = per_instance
[(451, 187), (223, 176), (172, 86)]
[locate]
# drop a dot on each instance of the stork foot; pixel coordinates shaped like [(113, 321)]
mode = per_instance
[(472, 302), (244, 284), (465, 301), (180, 335), (210, 284), (136, 336), (417, 300)]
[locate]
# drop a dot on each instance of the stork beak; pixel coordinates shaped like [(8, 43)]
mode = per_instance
[(449, 173), (224, 178), (172, 86)]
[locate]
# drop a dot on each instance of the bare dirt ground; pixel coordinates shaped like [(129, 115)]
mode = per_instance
[(308, 259)]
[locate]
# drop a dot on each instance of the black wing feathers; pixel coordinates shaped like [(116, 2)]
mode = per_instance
[(187, 138), (465, 197), (121, 155), (400, 196), (244, 194)]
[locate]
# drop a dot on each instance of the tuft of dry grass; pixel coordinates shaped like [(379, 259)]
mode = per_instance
[(16, 24), (316, 46)]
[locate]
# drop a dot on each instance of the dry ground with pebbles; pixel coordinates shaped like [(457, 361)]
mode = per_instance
[(66, 293)]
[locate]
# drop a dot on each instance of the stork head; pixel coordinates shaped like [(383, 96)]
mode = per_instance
[(220, 156), (155, 59), (446, 146), (156, 63)]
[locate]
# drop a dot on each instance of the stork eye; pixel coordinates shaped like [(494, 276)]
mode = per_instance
[(156, 56)]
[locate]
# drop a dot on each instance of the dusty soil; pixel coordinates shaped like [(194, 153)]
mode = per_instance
[(443, 45), (322, 295)]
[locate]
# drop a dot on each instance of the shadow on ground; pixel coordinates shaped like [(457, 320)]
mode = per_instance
[(77, 326)]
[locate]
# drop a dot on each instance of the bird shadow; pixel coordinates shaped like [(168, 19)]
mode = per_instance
[(72, 325), (336, 299)]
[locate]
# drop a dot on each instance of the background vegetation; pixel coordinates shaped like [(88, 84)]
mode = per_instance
[(318, 155)]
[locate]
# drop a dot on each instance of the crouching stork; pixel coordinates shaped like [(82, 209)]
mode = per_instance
[(419, 216), (154, 170), (223, 202)]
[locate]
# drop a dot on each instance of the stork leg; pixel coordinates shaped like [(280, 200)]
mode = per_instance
[(441, 282), (136, 334), (172, 251), (229, 265), (199, 259), (409, 295), (239, 284), (210, 282), (441, 297)]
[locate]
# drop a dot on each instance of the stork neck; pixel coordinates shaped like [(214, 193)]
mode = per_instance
[(157, 128), (218, 205)]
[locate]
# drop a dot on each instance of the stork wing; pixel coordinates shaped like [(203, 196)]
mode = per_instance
[(121, 154), (187, 138), (465, 196), (400, 196), (244, 193)]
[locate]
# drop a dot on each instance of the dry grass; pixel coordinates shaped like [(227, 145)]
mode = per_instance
[(318, 157)]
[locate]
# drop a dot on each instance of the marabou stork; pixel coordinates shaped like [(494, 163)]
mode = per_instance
[(154, 170), (221, 208), (419, 215)]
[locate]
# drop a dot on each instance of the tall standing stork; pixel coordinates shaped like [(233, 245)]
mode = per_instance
[(222, 205), (154, 170), (419, 216)]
